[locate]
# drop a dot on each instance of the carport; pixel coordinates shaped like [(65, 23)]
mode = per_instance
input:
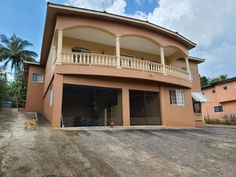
[(144, 108), (90, 106)]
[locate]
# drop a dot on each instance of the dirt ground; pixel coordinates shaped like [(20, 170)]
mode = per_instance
[(135, 152)]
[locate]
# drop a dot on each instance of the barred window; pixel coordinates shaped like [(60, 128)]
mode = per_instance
[(37, 78), (218, 109), (177, 97)]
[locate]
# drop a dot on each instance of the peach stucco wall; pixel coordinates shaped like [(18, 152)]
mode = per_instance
[(34, 97), (116, 28), (226, 95), (221, 97), (176, 115), (195, 83), (122, 73)]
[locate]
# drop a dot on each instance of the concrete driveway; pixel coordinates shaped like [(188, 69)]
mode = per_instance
[(111, 152)]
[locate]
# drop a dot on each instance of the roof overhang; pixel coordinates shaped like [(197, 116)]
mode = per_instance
[(53, 10), (27, 64), (196, 59), (199, 97)]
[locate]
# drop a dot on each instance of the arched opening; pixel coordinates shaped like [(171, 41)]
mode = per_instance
[(140, 47), (173, 53), (95, 40)]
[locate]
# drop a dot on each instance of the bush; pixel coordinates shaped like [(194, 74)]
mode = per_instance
[(230, 119)]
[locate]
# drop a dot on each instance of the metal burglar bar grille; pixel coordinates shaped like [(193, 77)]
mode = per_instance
[(144, 108), (91, 106)]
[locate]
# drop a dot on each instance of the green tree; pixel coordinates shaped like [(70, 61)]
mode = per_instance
[(204, 81), (207, 80), (13, 52), (3, 86), (17, 90), (219, 78)]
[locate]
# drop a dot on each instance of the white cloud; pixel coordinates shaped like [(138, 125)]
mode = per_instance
[(219, 60), (118, 7), (198, 20), (91, 4)]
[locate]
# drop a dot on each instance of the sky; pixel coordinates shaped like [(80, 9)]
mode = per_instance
[(210, 24)]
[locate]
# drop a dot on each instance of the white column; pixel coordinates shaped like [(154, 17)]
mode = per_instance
[(118, 51), (59, 45), (162, 55), (187, 65)]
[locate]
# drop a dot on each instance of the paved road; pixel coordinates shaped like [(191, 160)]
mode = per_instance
[(158, 152)]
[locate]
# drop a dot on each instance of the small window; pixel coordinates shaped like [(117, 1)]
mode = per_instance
[(177, 97), (50, 96), (225, 88), (218, 109), (80, 50), (213, 91), (191, 75), (37, 78)]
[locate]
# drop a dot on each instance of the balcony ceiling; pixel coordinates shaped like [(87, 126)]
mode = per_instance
[(135, 43)]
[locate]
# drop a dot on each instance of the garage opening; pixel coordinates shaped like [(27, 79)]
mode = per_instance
[(91, 106), (144, 108)]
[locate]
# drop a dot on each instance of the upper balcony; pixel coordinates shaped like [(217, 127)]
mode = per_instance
[(92, 59), (132, 54)]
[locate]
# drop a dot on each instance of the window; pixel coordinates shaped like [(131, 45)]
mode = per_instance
[(213, 91), (177, 97), (225, 88), (218, 109), (37, 78), (80, 49), (50, 96)]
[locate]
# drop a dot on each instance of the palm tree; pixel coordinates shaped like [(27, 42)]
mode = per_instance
[(13, 52)]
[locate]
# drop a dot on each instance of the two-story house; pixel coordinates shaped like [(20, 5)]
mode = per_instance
[(98, 69), (222, 99)]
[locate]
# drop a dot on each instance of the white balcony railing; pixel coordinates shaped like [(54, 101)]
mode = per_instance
[(125, 62)]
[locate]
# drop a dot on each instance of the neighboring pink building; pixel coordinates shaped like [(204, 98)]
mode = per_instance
[(222, 99)]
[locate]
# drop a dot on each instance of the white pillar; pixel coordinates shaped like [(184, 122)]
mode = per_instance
[(187, 65), (118, 51), (59, 45), (162, 55)]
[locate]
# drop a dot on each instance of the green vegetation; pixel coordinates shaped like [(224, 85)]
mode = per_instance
[(207, 80), (13, 53), (228, 119), (3, 86)]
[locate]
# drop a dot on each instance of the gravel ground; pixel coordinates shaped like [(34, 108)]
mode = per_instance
[(114, 152)]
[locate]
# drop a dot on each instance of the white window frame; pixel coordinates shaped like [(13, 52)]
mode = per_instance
[(191, 75), (177, 97), (37, 78), (217, 108)]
